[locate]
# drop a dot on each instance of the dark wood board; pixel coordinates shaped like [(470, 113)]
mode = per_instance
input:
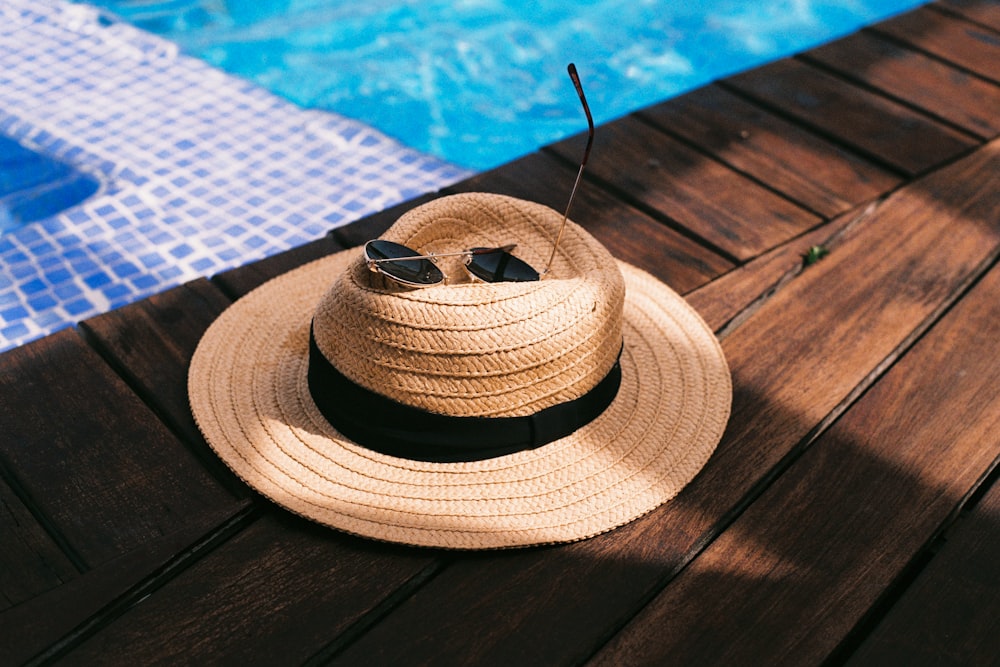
[(41, 626), (951, 614), (826, 541), (927, 83), (150, 344), (733, 296), (119, 478), (875, 125), (689, 189), (626, 232), (821, 176), (953, 39), (986, 12), (815, 344), (275, 594), (31, 562)]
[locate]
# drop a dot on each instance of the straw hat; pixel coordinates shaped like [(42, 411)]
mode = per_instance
[(438, 387)]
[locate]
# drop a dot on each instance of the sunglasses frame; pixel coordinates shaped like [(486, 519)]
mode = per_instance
[(374, 263)]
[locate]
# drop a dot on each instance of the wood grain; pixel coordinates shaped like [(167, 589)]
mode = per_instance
[(692, 190), (834, 531), (951, 614), (817, 174), (955, 40), (865, 412), (733, 295), (151, 343), (31, 562), (935, 87), (56, 617), (986, 12), (877, 126), (118, 477), (274, 594), (813, 345)]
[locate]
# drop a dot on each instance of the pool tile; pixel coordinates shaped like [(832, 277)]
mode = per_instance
[(202, 171)]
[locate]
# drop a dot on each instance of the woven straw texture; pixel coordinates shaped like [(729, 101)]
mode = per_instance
[(249, 394), (479, 349)]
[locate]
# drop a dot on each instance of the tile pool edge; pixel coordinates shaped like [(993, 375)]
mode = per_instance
[(202, 171)]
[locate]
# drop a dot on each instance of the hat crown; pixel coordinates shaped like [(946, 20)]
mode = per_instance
[(479, 349)]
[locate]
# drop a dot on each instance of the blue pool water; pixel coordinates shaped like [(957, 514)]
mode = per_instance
[(34, 186), (480, 82)]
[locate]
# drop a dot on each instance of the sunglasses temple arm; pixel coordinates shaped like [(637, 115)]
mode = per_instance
[(562, 227), (579, 174)]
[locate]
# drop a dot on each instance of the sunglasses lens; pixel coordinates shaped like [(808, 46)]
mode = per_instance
[(497, 267), (419, 272)]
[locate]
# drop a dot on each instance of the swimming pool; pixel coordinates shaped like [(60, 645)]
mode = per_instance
[(480, 82), (197, 171), (177, 170)]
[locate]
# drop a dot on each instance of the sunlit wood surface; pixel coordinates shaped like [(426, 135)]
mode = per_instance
[(851, 513)]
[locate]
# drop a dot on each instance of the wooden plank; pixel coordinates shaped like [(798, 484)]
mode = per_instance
[(951, 614), (986, 12), (810, 347), (946, 92), (957, 41), (117, 477), (833, 532), (626, 232), (724, 301), (876, 126), (276, 594), (696, 192), (30, 560), (817, 174), (151, 343), (42, 622)]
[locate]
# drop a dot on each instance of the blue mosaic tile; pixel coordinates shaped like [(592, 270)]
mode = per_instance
[(15, 331), (145, 282), (44, 302), (22, 272), (181, 251), (151, 260), (50, 318), (66, 292), (125, 269), (116, 291), (59, 276), (203, 265), (15, 313), (78, 307), (96, 280), (34, 286)]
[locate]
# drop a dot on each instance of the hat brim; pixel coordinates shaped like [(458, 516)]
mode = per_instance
[(249, 395)]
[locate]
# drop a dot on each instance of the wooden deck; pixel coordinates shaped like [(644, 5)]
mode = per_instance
[(851, 514)]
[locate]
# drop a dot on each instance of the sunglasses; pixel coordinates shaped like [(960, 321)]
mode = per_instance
[(409, 268)]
